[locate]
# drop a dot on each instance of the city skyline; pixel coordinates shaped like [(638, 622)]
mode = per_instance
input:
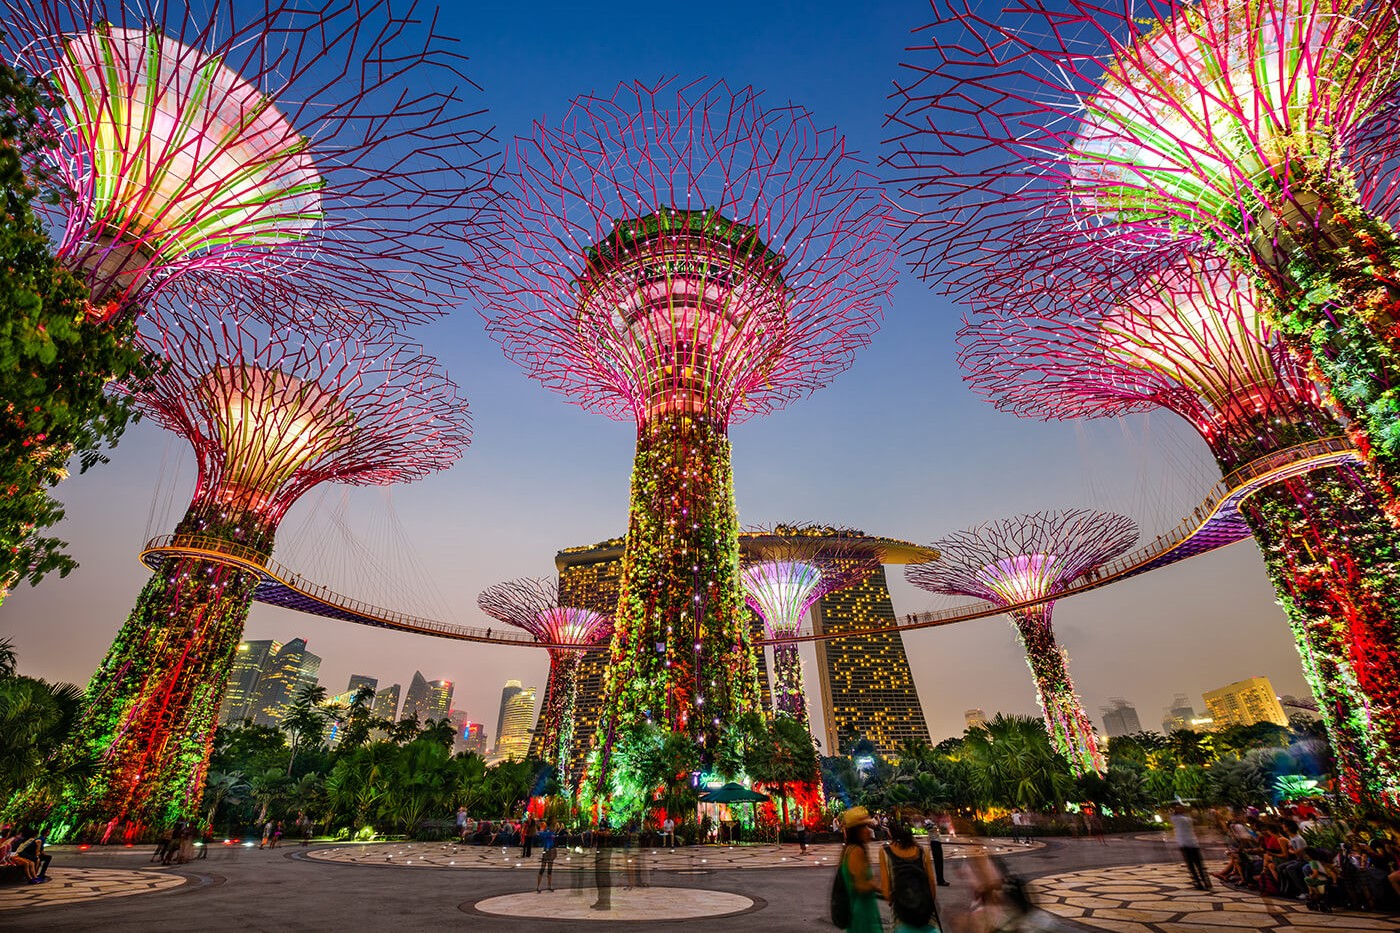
[(897, 446)]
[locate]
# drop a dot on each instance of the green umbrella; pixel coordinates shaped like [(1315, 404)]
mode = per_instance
[(734, 793)]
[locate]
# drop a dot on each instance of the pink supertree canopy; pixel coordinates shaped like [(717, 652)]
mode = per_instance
[(256, 141), (1025, 558), (272, 413), (537, 606), (1189, 337), (686, 248), (1146, 123)]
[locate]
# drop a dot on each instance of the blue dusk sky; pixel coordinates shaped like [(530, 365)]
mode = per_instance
[(897, 445)]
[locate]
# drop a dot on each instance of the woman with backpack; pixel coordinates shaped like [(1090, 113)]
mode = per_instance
[(910, 884)]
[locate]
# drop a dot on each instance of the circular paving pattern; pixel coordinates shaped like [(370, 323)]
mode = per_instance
[(1160, 899), (69, 885), (690, 859), (632, 905)]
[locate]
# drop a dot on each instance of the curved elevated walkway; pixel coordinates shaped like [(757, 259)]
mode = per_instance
[(1215, 523)]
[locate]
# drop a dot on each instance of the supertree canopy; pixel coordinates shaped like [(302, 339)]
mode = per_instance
[(1191, 339), (270, 414), (1263, 128), (787, 571), (249, 141), (1026, 558), (686, 257), (538, 607)]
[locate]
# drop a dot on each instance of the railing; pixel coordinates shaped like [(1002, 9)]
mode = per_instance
[(1216, 518)]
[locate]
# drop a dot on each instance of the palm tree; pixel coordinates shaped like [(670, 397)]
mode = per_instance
[(1189, 747), (35, 718), (442, 731), (1016, 765), (305, 719), (267, 787), (784, 755), (221, 786)]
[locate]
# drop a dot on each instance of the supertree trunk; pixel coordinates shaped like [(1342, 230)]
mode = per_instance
[(789, 690), (680, 650), (1069, 727), (557, 718), (1334, 560), (149, 716)]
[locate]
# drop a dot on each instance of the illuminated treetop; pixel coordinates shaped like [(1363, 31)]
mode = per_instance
[(1026, 557), (787, 571), (1145, 122), (684, 248), (271, 413), (536, 606), (1189, 338), (256, 140)]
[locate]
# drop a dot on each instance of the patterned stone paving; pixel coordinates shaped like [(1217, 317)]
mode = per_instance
[(692, 858), (1160, 899), (635, 905), (69, 885)]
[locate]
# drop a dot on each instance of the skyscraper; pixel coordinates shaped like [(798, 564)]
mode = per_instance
[(517, 722), (1244, 703), (1120, 718), (511, 688), (285, 673), (386, 703), (974, 718), (360, 680), (867, 688), (243, 680), (427, 699), (1179, 715)]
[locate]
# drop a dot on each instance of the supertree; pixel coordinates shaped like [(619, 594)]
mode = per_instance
[(537, 606), (233, 141), (270, 415), (1263, 128), (790, 567), (1191, 339), (1026, 558), (685, 257)]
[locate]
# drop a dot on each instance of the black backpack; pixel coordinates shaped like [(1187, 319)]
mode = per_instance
[(911, 900)]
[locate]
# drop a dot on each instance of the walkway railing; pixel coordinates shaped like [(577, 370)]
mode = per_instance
[(1215, 523)]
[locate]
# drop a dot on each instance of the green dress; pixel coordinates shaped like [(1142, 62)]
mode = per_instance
[(865, 908)]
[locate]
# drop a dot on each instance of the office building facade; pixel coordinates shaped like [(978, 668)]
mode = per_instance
[(517, 724), (1245, 703), (427, 699), (867, 687), (1120, 718)]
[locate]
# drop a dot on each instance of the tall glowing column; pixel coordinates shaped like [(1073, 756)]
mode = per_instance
[(1031, 557), (270, 415), (788, 569), (684, 257), (1262, 129), (1190, 338)]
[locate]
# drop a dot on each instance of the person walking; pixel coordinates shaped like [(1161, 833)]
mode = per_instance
[(462, 823), (668, 832), (935, 849), (527, 837), (548, 853), (268, 827), (856, 874), (1190, 846), (908, 881)]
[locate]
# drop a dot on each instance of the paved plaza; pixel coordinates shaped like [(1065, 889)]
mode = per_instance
[(1130, 885)]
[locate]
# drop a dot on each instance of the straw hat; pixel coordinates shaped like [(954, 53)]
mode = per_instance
[(857, 816)]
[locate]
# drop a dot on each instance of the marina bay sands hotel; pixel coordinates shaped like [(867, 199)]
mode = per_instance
[(867, 688)]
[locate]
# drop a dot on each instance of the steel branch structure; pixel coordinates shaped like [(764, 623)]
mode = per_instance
[(270, 414), (1262, 128), (249, 142), (1028, 557), (788, 569), (1191, 339), (686, 257), (537, 607)]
